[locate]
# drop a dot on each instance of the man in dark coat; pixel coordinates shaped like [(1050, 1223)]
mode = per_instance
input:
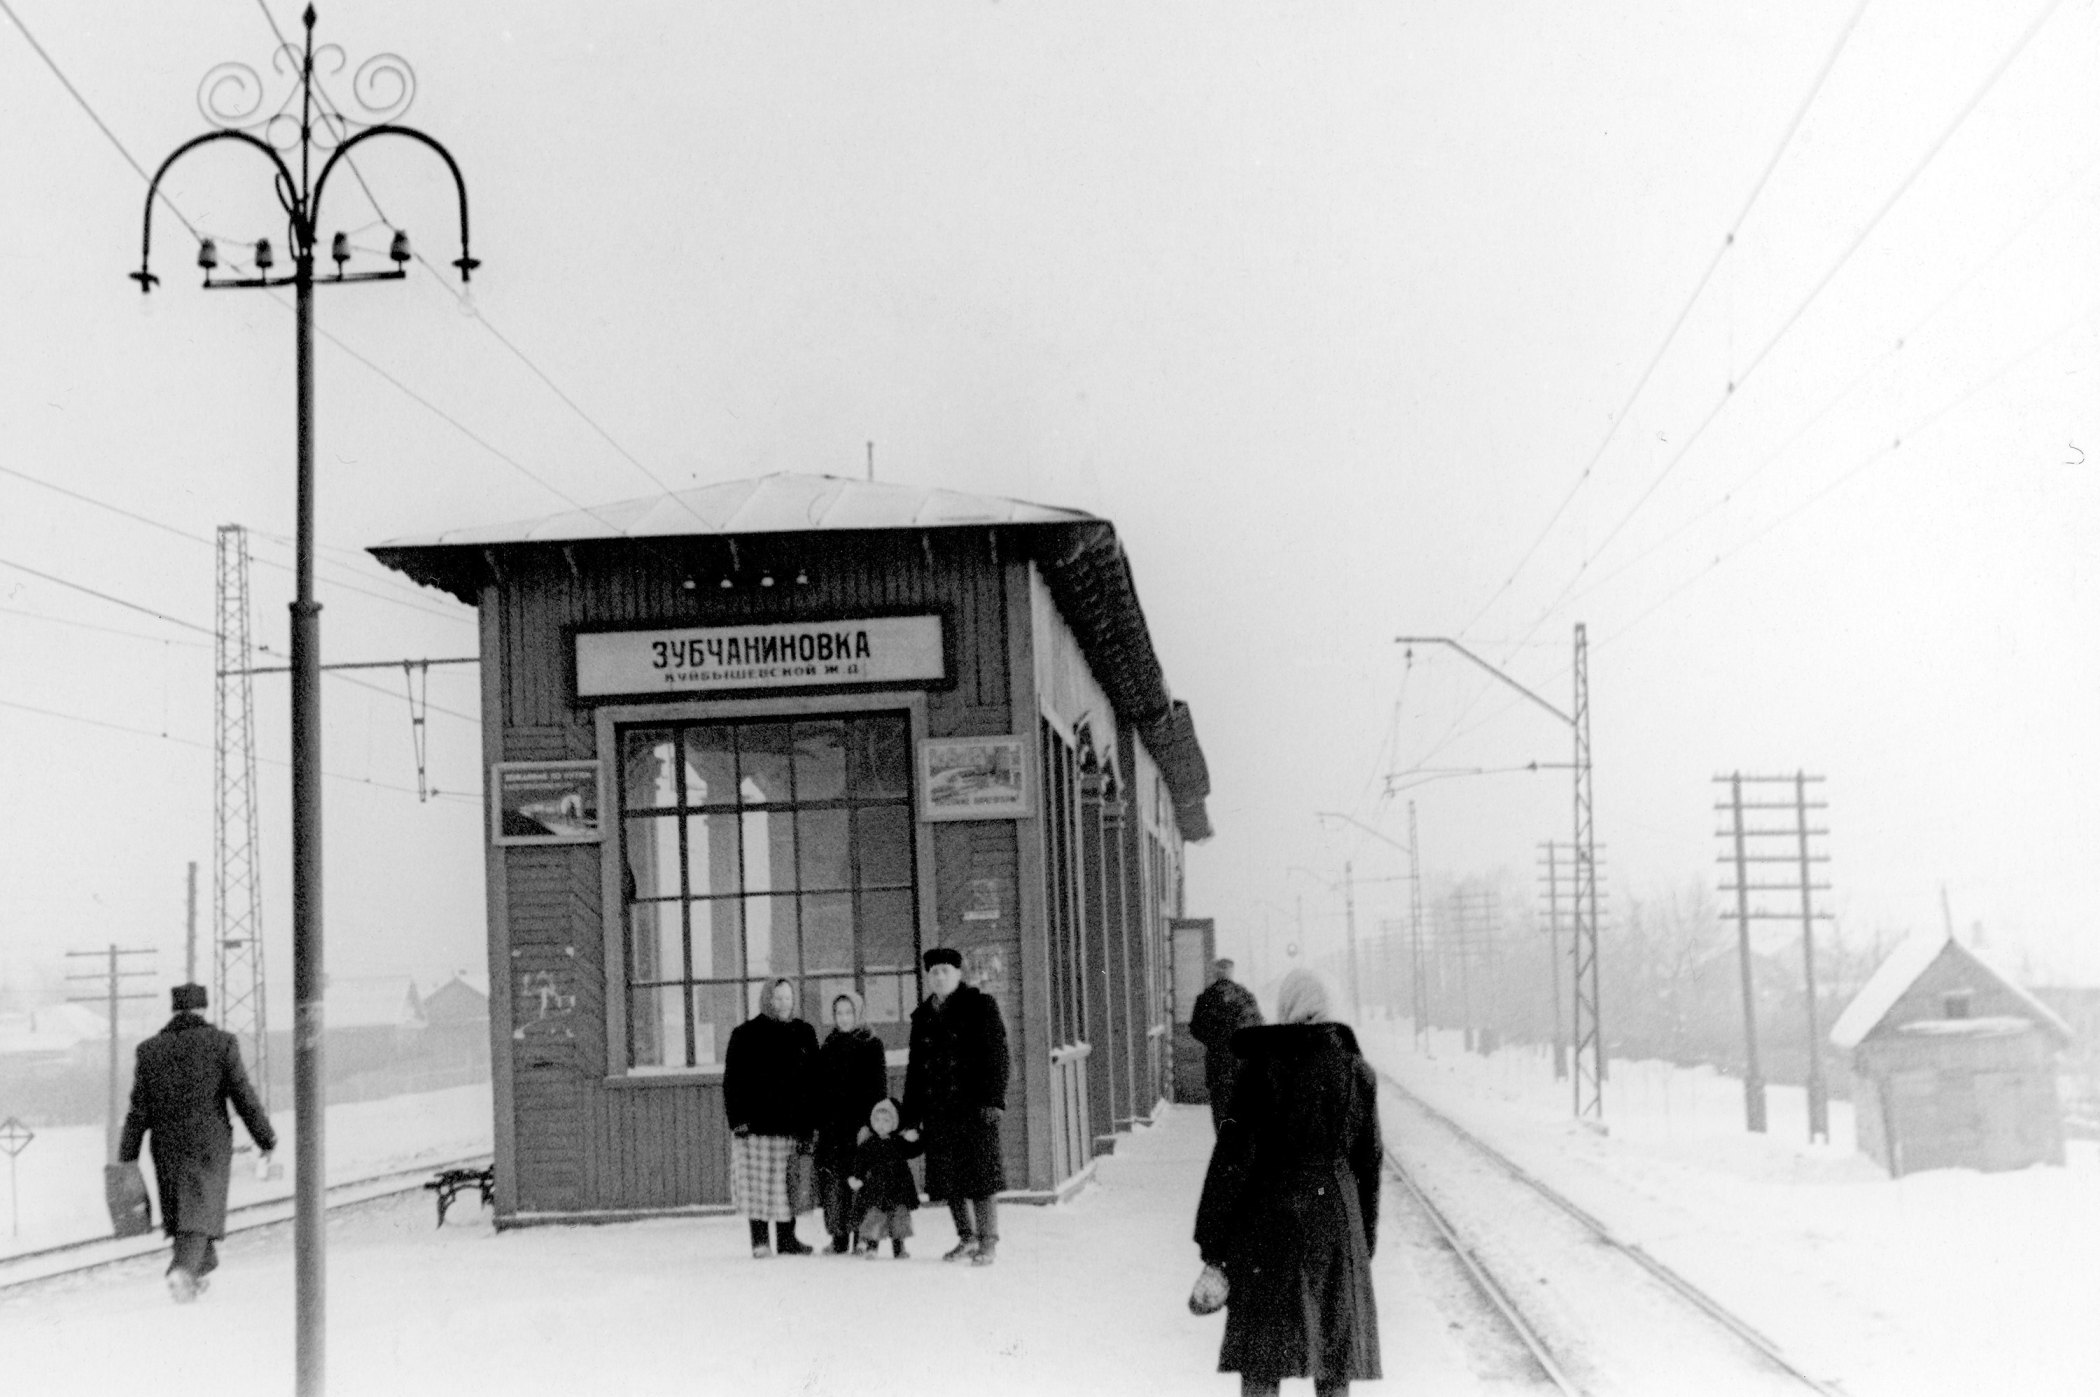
[(186, 1075), (955, 1094), (1290, 1202), (1223, 1009)]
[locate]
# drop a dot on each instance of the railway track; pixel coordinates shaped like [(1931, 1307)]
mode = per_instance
[(1557, 1369), (74, 1258)]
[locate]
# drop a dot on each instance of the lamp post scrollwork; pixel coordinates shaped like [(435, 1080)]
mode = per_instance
[(309, 125)]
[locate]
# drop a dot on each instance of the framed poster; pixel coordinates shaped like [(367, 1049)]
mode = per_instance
[(972, 778), (546, 802)]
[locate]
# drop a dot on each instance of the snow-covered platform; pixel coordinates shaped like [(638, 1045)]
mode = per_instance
[(1087, 1297)]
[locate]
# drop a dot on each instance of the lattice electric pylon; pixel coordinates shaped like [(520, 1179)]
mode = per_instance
[(1589, 1034), (237, 924)]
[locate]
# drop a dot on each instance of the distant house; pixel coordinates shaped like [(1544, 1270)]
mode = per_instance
[(457, 1014), (373, 1021), (2079, 1074), (51, 1037), (1954, 1065)]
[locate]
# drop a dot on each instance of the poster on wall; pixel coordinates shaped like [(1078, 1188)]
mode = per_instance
[(545, 802), (972, 778)]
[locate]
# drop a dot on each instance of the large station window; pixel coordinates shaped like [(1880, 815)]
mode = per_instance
[(759, 849)]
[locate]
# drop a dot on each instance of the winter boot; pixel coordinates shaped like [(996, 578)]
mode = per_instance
[(963, 1250), (987, 1250)]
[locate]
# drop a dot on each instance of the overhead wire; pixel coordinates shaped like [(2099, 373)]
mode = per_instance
[(1684, 312), (106, 630)]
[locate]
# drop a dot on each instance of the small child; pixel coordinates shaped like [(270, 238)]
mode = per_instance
[(883, 1191)]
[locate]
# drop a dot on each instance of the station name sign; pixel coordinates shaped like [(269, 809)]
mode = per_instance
[(799, 654)]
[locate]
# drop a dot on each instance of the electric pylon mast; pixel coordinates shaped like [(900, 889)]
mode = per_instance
[(237, 928)]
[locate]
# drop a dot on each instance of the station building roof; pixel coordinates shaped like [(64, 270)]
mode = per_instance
[(1078, 554)]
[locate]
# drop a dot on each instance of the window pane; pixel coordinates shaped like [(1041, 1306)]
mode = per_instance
[(717, 1010), (887, 930), (820, 761), (718, 939), (820, 843), (655, 946), (769, 850), (765, 752), (827, 933), (711, 855), (879, 757), (883, 841), (710, 766), (770, 943), (891, 998), (657, 1027), (652, 857), (648, 770)]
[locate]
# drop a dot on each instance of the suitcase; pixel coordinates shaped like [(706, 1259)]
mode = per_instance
[(130, 1210)]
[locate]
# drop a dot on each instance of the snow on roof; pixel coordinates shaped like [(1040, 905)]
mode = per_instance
[(769, 504), (1990, 1026), (54, 1028), (375, 1001), (1902, 969)]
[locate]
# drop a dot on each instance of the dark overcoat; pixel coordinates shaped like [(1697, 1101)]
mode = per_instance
[(1224, 1008), (769, 1077), (853, 1074), (955, 1092), (1290, 1206), (185, 1076), (879, 1162)]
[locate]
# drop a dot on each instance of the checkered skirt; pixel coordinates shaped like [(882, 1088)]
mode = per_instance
[(758, 1176)]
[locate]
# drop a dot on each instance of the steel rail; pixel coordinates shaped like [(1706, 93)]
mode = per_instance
[(1633, 1251), (412, 1179), (1484, 1281)]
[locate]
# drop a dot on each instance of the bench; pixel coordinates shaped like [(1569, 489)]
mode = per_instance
[(450, 1183)]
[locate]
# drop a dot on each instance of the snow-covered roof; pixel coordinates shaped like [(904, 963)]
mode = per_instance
[(767, 504), (54, 1028), (375, 1001), (1903, 968)]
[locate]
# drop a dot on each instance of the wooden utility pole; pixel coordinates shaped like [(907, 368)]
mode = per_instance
[(112, 996), (189, 943)]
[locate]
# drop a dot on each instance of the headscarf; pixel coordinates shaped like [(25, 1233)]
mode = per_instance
[(860, 1009), (1301, 998), (765, 1003)]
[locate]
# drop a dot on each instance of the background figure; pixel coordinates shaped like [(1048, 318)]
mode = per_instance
[(955, 1093), (186, 1074), (1290, 1203), (769, 1095), (852, 1075), (1223, 1009)]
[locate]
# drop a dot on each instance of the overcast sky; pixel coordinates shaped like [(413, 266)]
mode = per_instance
[(1344, 314)]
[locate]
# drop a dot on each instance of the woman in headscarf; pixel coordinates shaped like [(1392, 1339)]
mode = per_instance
[(769, 1095), (852, 1075), (1290, 1204)]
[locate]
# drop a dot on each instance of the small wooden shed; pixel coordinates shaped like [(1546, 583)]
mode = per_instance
[(1954, 1065)]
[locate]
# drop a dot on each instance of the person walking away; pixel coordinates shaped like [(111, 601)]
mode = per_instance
[(1224, 1008), (954, 1095), (881, 1183), (1290, 1202), (186, 1074), (852, 1075), (769, 1096)]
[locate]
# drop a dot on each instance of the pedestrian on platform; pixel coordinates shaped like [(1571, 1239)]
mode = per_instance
[(1290, 1203), (186, 1075), (852, 1075), (1224, 1008), (955, 1094), (769, 1095), (883, 1191)]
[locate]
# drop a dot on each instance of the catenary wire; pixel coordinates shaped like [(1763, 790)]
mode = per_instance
[(1669, 338), (106, 630), (104, 596)]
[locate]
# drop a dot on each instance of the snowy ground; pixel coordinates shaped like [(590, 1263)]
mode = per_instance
[(1948, 1281), (59, 1175), (1089, 1297)]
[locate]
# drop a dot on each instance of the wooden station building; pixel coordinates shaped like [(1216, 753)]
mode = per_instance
[(811, 727)]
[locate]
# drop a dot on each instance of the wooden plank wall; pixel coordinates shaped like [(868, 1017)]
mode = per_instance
[(584, 1145)]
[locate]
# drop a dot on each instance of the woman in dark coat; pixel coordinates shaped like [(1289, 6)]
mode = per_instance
[(1290, 1204), (852, 1075), (955, 1094), (769, 1095)]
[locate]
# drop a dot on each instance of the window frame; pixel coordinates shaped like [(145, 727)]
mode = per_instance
[(619, 1069)]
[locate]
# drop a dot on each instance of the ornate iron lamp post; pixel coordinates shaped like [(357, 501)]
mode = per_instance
[(306, 123)]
